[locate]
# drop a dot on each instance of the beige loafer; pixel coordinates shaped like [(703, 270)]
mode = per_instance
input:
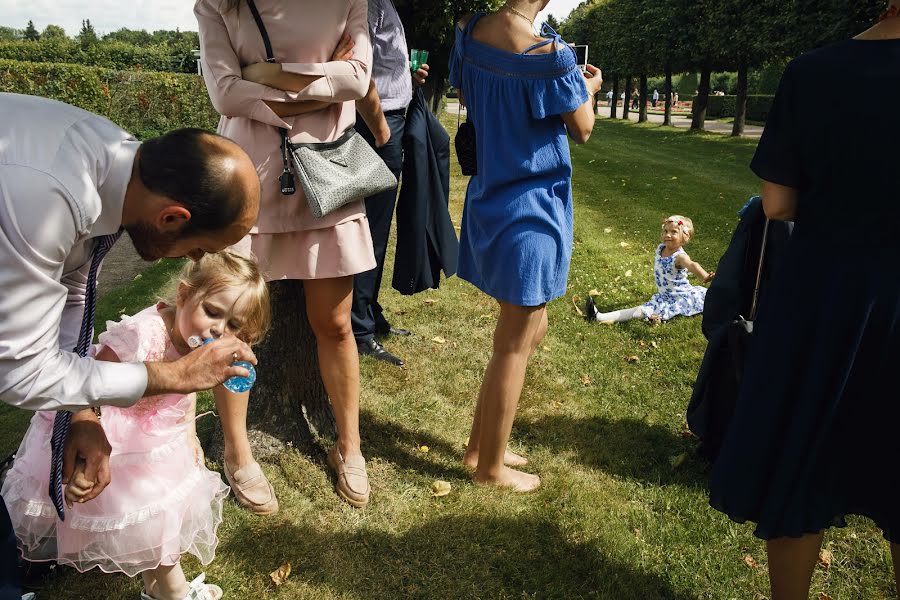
[(252, 490), (352, 479)]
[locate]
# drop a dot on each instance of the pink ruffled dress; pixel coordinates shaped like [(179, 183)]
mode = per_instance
[(160, 504)]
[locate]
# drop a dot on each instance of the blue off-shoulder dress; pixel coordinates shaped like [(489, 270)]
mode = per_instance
[(516, 234)]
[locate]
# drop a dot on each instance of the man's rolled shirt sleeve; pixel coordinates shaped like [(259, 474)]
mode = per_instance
[(38, 312)]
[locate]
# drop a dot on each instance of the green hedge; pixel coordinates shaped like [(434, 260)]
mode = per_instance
[(109, 55), (724, 106), (143, 103)]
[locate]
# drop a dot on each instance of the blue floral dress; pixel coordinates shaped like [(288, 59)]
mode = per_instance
[(675, 295)]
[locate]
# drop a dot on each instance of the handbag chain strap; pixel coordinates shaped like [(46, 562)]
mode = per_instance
[(759, 271), (287, 178)]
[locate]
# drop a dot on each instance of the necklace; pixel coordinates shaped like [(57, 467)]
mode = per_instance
[(514, 11)]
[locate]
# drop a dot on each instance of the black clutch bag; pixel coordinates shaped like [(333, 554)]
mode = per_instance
[(466, 148)]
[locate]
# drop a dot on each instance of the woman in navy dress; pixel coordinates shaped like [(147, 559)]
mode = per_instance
[(523, 94), (814, 434)]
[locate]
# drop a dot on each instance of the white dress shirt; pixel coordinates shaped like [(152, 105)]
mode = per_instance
[(63, 175)]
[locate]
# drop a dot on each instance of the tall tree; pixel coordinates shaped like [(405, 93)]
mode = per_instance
[(53, 32), (9, 34), (87, 37), (31, 33)]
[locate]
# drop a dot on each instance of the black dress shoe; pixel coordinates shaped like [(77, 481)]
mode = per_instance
[(590, 310), (374, 349), (385, 330)]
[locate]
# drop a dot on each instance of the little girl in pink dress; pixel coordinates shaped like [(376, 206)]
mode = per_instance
[(162, 501)]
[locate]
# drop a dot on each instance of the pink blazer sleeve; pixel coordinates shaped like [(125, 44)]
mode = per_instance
[(231, 95), (341, 81)]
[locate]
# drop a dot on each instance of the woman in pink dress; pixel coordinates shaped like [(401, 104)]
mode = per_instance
[(311, 95)]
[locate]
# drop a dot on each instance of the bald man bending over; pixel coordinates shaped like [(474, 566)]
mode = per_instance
[(69, 182)]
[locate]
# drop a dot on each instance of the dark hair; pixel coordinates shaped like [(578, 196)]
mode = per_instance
[(184, 166)]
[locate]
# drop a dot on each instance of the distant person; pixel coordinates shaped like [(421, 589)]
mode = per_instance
[(655, 97), (674, 98), (518, 257), (163, 502), (71, 182), (814, 433), (609, 97), (635, 99)]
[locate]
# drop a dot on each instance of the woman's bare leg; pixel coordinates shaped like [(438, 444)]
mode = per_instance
[(514, 340), (510, 458), (791, 564), (328, 308)]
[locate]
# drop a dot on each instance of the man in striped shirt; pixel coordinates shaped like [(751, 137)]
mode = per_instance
[(381, 120)]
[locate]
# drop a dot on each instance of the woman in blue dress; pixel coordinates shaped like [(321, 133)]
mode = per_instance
[(523, 94), (814, 433)]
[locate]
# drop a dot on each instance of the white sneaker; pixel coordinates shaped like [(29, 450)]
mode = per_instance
[(198, 591)]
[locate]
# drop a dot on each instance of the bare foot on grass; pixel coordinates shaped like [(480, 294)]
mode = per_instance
[(510, 459), (510, 478)]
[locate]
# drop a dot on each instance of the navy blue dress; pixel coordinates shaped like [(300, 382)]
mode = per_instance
[(516, 234), (814, 434)]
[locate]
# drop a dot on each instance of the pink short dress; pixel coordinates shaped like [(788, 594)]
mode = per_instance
[(161, 502), (288, 241)]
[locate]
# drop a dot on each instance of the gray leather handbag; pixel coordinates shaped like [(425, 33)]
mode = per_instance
[(336, 173), (332, 174)]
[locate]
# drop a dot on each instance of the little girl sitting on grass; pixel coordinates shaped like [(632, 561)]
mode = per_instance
[(674, 294)]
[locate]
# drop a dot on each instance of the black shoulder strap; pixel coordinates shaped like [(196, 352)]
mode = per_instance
[(270, 56)]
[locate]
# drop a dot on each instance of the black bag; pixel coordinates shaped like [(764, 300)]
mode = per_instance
[(466, 147), (741, 330)]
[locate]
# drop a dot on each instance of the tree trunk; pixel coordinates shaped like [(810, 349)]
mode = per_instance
[(626, 105), (740, 108), (701, 102), (615, 100), (642, 110), (667, 119), (435, 88), (288, 404)]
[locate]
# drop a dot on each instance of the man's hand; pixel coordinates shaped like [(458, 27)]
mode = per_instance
[(593, 78), (87, 442), (201, 369), (421, 75)]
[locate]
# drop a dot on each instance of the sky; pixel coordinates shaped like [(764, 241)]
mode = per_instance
[(109, 15)]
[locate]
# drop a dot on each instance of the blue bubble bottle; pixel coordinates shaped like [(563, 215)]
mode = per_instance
[(235, 384)]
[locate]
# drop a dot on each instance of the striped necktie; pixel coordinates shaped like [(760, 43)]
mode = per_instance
[(63, 418)]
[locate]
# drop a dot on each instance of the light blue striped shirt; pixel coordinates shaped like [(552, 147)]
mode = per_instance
[(390, 56)]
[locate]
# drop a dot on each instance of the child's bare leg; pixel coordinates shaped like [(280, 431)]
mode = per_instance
[(514, 338), (510, 458), (620, 316), (791, 564), (165, 582)]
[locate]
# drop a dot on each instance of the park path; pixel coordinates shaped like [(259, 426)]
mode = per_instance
[(750, 131)]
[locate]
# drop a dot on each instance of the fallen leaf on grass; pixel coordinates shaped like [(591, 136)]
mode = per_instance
[(586, 380), (424, 448), (607, 230), (624, 244), (440, 488), (546, 348), (576, 300), (679, 460), (654, 345), (594, 292), (466, 443), (280, 575), (750, 562), (824, 596), (429, 300), (632, 359), (628, 273), (438, 340), (825, 558), (138, 276)]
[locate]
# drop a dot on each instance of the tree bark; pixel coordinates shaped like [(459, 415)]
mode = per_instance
[(642, 109), (288, 404), (615, 100), (740, 108), (626, 105), (701, 102), (667, 119)]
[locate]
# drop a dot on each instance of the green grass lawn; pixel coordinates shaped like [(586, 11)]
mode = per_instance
[(622, 513)]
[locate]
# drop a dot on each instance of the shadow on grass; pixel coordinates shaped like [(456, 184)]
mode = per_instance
[(628, 448), (455, 557), (392, 442)]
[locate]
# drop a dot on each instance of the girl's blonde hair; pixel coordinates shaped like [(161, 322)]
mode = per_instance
[(215, 272), (685, 225)]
